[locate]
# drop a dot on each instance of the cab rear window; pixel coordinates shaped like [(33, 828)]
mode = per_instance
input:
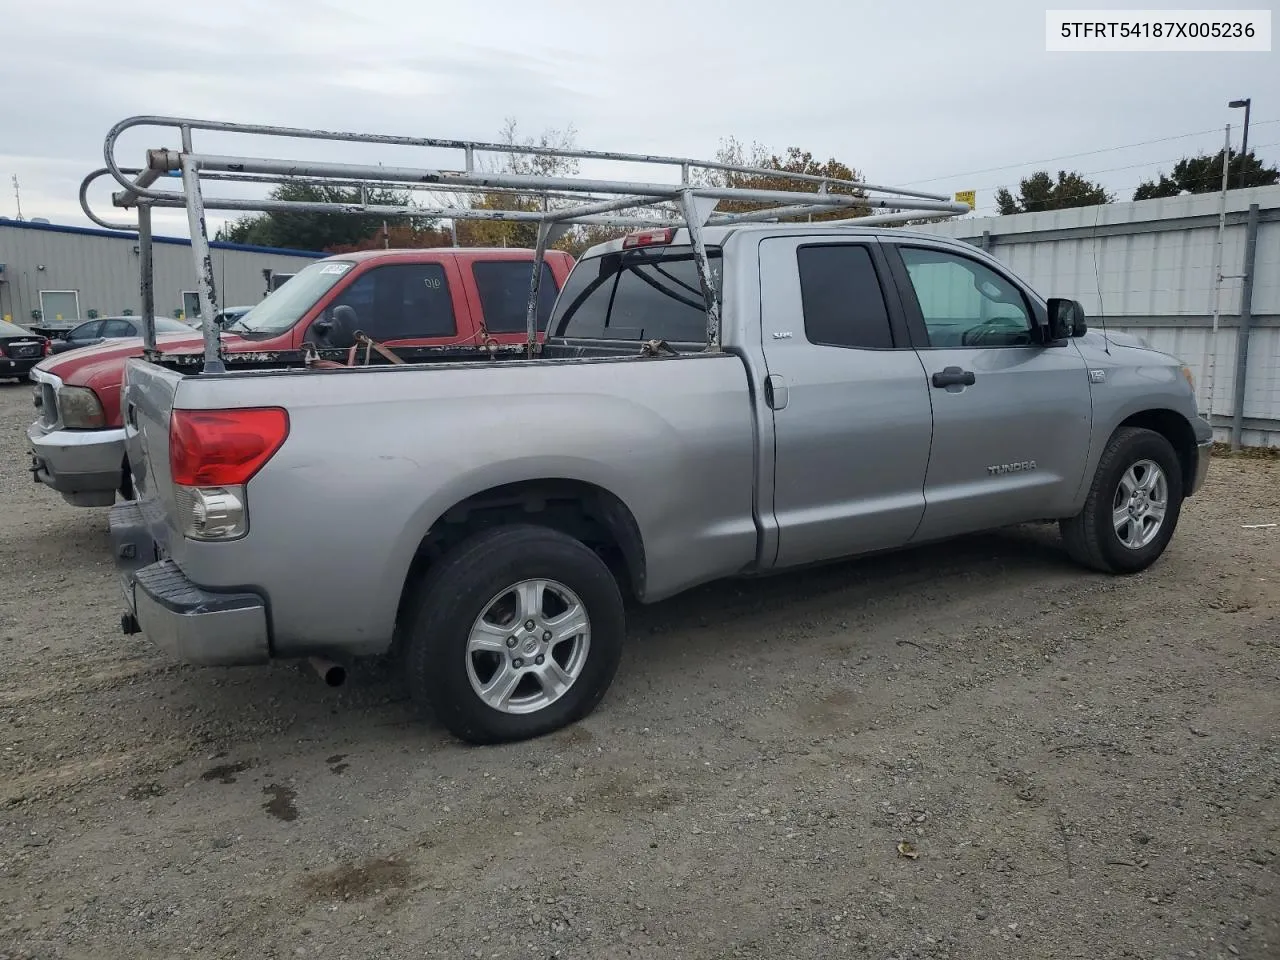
[(646, 294)]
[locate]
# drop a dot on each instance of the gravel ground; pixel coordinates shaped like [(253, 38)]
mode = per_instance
[(1078, 766)]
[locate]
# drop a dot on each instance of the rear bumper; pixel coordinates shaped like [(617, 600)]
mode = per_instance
[(190, 623), (19, 367), (85, 466)]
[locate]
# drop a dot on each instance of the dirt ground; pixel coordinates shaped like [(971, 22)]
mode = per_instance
[(1082, 766)]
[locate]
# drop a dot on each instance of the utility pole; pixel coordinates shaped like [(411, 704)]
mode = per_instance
[(17, 195), (1244, 141), (1211, 348)]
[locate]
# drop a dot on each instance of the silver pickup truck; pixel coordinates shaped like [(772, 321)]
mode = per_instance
[(484, 520)]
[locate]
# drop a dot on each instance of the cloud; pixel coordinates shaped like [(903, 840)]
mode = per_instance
[(901, 92)]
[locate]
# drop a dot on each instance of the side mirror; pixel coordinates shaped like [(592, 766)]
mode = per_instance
[(1066, 319)]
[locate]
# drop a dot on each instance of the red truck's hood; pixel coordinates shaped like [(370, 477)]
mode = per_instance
[(102, 366)]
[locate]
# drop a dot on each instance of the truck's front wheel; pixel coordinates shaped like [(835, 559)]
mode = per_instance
[(1132, 507), (516, 632)]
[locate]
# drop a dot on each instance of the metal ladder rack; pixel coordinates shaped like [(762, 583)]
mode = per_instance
[(689, 203)]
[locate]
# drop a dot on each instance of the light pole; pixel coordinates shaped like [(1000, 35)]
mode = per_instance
[(1244, 142)]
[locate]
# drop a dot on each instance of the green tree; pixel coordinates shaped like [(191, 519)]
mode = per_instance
[(1041, 192), (1203, 174), (321, 232)]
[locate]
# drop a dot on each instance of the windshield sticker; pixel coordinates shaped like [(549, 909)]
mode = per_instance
[(338, 268)]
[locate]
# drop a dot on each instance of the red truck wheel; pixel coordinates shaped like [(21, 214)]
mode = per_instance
[(517, 632)]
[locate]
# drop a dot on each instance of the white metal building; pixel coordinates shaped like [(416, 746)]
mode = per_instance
[(49, 271)]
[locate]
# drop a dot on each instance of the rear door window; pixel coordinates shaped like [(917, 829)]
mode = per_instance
[(118, 328), (401, 301), (504, 293), (842, 299), (644, 294)]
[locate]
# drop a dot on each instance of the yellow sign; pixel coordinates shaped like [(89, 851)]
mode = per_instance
[(967, 196)]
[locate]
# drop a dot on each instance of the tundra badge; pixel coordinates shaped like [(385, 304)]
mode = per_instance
[(1022, 466)]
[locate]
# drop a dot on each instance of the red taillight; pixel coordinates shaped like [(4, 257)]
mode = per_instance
[(47, 349), (648, 238), (223, 448)]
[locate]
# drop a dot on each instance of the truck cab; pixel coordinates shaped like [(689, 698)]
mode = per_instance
[(410, 299)]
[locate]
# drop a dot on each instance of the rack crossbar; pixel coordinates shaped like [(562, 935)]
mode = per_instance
[(555, 203)]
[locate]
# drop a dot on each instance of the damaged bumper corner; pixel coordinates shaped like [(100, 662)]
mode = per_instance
[(190, 623)]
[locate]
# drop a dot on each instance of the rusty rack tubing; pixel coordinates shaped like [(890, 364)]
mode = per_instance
[(689, 203)]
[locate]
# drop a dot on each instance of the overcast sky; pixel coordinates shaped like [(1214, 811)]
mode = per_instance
[(907, 93)]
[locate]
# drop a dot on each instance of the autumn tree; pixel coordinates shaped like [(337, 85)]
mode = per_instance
[(732, 152), (582, 238), (403, 236), (305, 230), (1203, 174), (1041, 192), (514, 233)]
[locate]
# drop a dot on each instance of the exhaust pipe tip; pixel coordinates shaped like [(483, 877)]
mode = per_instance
[(333, 674)]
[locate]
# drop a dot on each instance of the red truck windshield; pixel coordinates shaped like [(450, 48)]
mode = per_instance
[(286, 305)]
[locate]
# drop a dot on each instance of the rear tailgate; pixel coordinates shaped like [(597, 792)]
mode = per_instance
[(146, 406), (228, 627)]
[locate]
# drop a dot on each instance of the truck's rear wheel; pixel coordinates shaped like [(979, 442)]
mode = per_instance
[(517, 632), (1133, 505)]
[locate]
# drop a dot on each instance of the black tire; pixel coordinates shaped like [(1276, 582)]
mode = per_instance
[(1090, 536), (456, 591)]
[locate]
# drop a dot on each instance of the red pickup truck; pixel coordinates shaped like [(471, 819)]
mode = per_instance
[(402, 299)]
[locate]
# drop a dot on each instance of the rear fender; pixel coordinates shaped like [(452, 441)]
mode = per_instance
[(527, 470)]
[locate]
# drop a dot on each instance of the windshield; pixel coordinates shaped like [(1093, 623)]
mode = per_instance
[(285, 306), (12, 330)]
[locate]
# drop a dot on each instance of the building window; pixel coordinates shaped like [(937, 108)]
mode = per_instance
[(59, 306)]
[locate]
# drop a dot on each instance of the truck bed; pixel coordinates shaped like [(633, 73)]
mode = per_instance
[(377, 455)]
